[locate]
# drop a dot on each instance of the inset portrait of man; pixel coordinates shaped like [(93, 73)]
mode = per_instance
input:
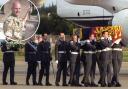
[(20, 24)]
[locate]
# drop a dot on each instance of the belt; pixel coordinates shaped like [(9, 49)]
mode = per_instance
[(91, 52), (107, 49), (61, 52), (98, 51), (74, 53), (117, 49)]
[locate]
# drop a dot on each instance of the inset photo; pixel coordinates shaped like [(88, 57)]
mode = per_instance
[(19, 20)]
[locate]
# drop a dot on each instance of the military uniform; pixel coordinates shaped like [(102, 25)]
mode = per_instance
[(74, 63), (62, 57), (106, 61), (31, 59), (94, 61), (98, 58), (9, 63), (44, 54), (89, 53), (117, 56), (13, 28)]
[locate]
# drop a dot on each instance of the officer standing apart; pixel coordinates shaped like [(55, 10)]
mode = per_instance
[(14, 25), (62, 57), (31, 59), (44, 53), (9, 63), (117, 57), (74, 61), (106, 59), (88, 53)]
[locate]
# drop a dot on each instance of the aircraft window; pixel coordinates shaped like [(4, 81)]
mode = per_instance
[(85, 12)]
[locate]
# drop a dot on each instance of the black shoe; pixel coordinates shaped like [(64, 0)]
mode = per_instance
[(57, 84), (82, 81), (99, 82), (113, 83), (13, 83), (40, 84), (27, 83), (110, 85), (72, 84), (64, 84), (35, 83), (118, 84), (93, 85), (5, 83), (86, 84), (103, 84), (79, 85), (48, 84)]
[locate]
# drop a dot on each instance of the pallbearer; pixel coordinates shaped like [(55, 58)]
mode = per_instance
[(88, 55), (44, 53), (31, 59), (74, 61), (62, 57), (9, 63), (98, 58), (106, 59), (117, 56)]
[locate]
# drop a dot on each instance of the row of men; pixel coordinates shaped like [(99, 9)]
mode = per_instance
[(103, 52)]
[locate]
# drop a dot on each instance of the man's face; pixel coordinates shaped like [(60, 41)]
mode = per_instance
[(92, 37), (75, 38), (16, 9), (45, 36), (40, 38), (62, 36), (106, 35)]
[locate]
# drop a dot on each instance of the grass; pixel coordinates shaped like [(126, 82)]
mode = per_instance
[(125, 56)]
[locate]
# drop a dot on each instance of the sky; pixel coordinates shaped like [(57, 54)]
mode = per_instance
[(2, 2), (47, 2)]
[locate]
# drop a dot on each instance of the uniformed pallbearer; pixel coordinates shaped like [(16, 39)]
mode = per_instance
[(9, 63), (106, 59), (44, 53), (74, 61), (88, 53), (31, 59), (62, 57), (117, 57)]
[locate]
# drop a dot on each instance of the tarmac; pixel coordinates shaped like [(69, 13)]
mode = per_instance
[(20, 75)]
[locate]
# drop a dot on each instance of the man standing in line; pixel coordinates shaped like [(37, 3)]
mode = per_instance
[(88, 53), (74, 61), (62, 57), (9, 63), (117, 57), (31, 59), (44, 51), (106, 59)]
